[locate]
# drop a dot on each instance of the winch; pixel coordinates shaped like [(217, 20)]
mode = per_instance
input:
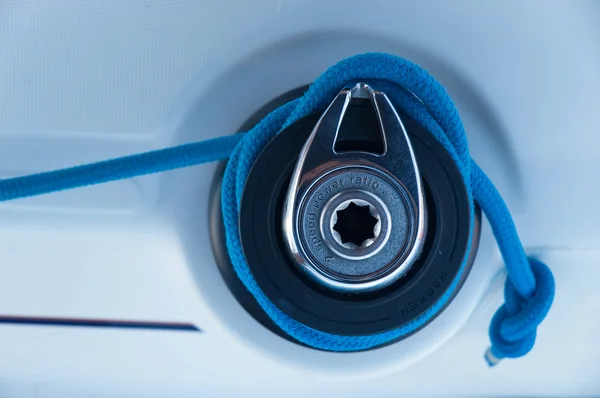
[(354, 220)]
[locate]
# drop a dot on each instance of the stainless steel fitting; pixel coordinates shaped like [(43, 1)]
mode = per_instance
[(355, 221)]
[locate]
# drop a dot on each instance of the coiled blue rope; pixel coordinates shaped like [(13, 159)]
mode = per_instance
[(529, 289)]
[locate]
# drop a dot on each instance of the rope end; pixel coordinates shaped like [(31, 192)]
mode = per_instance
[(490, 358)]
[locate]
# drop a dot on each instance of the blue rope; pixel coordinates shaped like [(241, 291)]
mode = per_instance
[(529, 288), (118, 169)]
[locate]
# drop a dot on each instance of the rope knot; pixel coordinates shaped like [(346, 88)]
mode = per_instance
[(514, 326)]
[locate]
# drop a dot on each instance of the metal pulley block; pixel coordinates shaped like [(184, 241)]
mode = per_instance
[(355, 220)]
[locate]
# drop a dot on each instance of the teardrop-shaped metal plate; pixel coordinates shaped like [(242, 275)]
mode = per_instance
[(355, 220)]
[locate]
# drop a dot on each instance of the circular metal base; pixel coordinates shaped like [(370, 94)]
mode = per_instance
[(355, 264)]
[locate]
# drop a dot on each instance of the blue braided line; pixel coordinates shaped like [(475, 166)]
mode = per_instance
[(529, 289), (120, 168)]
